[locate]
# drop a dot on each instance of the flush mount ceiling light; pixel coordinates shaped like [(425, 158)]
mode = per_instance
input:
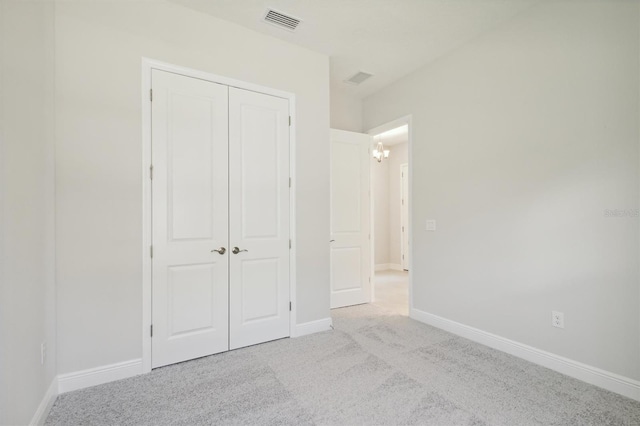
[(281, 20), (379, 153), (358, 78)]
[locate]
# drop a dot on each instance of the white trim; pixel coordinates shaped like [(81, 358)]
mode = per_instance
[(408, 120), (146, 216), (593, 375), (381, 267), (311, 327), (292, 216), (147, 66), (48, 399), (388, 266), (99, 375), (404, 261)]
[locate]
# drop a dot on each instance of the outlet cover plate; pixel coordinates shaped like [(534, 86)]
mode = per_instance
[(557, 319)]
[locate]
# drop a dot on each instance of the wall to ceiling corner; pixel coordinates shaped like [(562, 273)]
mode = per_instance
[(346, 111), (99, 166), (525, 151), (27, 286)]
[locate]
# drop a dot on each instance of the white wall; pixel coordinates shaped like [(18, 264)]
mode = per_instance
[(99, 205), (346, 111), (398, 155), (27, 314), (380, 174), (524, 138)]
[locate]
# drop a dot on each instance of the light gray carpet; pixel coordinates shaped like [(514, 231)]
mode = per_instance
[(374, 368)]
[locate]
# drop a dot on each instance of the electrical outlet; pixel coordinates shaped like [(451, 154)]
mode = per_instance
[(43, 352), (431, 225), (557, 319)]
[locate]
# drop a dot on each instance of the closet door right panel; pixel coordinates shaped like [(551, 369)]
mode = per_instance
[(258, 218)]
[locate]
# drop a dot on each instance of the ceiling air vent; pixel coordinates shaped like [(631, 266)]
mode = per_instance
[(358, 78), (281, 20)]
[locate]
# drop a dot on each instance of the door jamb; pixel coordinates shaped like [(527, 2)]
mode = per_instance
[(147, 66), (402, 253), (408, 120)]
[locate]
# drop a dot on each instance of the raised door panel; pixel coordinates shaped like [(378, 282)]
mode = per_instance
[(189, 218), (259, 217)]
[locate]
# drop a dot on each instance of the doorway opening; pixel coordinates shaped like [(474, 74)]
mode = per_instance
[(390, 212), (370, 239)]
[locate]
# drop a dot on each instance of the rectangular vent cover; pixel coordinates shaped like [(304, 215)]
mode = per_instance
[(281, 20), (358, 78)]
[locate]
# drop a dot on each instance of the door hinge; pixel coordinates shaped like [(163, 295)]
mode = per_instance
[(151, 95), (289, 121), (289, 244), (151, 251), (289, 182), (151, 172), (289, 306), (403, 229), (151, 330), (403, 257), (369, 279), (403, 202)]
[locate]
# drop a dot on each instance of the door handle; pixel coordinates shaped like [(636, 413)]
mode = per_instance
[(236, 250), (331, 241), (221, 250)]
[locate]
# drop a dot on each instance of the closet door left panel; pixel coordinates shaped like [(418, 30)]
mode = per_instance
[(190, 218)]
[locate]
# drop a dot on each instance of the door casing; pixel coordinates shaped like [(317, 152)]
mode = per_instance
[(147, 66), (404, 221)]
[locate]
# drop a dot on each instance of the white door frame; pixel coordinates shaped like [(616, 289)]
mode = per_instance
[(147, 66), (404, 261), (407, 119)]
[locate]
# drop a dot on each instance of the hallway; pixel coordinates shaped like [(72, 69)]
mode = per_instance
[(392, 291)]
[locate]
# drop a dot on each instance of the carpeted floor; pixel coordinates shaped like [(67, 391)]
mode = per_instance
[(374, 368)]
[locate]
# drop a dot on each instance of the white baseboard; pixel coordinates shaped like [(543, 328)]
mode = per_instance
[(593, 375), (311, 327), (388, 266), (99, 375), (48, 399)]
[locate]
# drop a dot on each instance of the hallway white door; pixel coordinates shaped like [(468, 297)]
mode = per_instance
[(189, 193), (350, 252)]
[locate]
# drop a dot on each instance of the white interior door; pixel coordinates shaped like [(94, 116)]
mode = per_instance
[(190, 216), (350, 219), (404, 214), (259, 217)]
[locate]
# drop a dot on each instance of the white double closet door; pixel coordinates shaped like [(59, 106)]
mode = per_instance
[(220, 158)]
